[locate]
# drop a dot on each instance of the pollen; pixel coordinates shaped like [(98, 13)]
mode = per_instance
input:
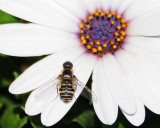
[(98, 42), (84, 41), (103, 33), (99, 48), (90, 17), (94, 50), (89, 46), (114, 46)]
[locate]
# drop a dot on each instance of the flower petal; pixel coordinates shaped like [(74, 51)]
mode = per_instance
[(138, 118), (105, 4), (125, 4), (33, 40), (144, 20), (144, 79), (105, 106), (74, 6), (32, 106), (55, 110), (148, 43), (115, 4), (140, 8), (44, 12), (91, 5), (43, 70), (119, 85)]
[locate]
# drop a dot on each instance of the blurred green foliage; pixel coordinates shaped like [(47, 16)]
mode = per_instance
[(81, 115)]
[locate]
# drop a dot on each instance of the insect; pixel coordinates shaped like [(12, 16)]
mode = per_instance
[(66, 84)]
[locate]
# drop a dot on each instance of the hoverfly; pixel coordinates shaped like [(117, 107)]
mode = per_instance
[(66, 84)]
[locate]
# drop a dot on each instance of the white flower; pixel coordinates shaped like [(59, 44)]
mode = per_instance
[(128, 78)]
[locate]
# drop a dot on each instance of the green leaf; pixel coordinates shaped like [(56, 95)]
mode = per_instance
[(10, 119), (36, 126), (115, 125), (121, 125), (35, 122), (4, 82), (2, 55), (86, 119), (6, 18)]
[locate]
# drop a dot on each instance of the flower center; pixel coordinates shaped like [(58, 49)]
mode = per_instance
[(103, 33)]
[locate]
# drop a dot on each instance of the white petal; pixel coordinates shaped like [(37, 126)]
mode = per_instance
[(115, 5), (148, 43), (44, 12), (119, 85), (91, 5), (33, 40), (105, 106), (142, 77), (147, 24), (48, 91), (43, 70), (74, 6), (140, 8), (32, 106), (125, 4), (138, 118), (105, 4), (54, 111)]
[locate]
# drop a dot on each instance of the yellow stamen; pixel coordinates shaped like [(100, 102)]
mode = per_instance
[(109, 15), (118, 27), (82, 26), (122, 37), (116, 33), (82, 37), (105, 45), (112, 22), (99, 48), (123, 26), (118, 39), (82, 32), (84, 41), (107, 12), (85, 21), (99, 11), (88, 26), (114, 46), (102, 14), (91, 43), (112, 42), (123, 33), (94, 50), (113, 13), (98, 42), (87, 36), (90, 17), (88, 46), (97, 14), (118, 16), (127, 24), (93, 12), (123, 21)]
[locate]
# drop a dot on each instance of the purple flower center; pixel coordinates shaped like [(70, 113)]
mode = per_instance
[(103, 33)]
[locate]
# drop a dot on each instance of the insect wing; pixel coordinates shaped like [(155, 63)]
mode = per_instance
[(48, 90), (86, 93)]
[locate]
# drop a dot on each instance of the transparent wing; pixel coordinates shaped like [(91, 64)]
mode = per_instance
[(86, 93), (48, 90)]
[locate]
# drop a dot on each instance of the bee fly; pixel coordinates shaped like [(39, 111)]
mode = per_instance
[(66, 84)]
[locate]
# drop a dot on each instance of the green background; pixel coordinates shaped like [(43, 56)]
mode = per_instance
[(81, 115)]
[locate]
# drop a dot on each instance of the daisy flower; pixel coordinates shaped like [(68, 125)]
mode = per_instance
[(117, 40)]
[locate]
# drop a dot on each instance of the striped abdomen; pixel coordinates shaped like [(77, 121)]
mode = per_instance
[(66, 92)]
